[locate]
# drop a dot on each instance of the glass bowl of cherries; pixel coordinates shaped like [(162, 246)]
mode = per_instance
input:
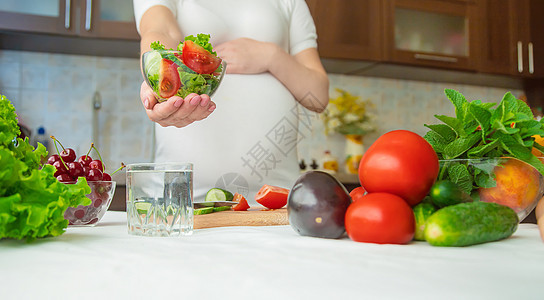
[(69, 168)]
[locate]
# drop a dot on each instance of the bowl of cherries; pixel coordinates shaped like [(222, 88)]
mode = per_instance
[(69, 168)]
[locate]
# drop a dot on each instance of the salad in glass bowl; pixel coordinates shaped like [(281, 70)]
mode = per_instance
[(193, 68)]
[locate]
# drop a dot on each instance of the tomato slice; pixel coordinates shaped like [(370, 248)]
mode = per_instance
[(242, 203), (169, 82), (272, 197), (199, 59)]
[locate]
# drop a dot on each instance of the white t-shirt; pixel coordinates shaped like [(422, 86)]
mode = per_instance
[(251, 137)]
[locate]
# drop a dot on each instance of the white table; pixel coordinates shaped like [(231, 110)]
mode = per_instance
[(104, 262)]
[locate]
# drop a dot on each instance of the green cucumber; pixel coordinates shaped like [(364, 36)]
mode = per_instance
[(422, 212), (445, 193), (203, 211), (221, 208), (470, 223), (218, 195)]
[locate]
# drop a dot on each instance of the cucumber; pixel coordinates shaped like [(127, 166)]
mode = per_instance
[(445, 193), (470, 223), (218, 195), (203, 211), (422, 212), (221, 208)]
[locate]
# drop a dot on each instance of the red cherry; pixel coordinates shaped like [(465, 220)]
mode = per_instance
[(52, 159), (97, 203), (75, 169), (106, 177), (80, 213), (60, 167), (65, 177), (85, 160), (93, 175), (68, 155), (97, 164)]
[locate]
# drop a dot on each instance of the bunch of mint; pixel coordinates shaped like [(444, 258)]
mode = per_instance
[(32, 200), (483, 130)]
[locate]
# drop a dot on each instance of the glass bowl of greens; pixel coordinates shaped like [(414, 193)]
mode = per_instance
[(503, 180), (171, 73)]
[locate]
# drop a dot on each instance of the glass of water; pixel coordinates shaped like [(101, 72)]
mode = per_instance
[(160, 199)]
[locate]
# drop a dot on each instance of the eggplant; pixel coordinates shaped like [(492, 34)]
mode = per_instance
[(317, 205)]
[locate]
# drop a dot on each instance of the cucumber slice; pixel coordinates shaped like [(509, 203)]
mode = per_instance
[(221, 208), (203, 211), (142, 207), (217, 195)]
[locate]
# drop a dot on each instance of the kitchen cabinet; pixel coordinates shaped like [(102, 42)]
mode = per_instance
[(84, 18), (433, 33), (513, 42), (348, 29)]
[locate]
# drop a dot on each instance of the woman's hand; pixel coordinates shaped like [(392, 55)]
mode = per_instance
[(176, 111), (246, 56), (302, 74)]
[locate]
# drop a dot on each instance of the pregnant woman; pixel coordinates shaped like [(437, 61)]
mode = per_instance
[(247, 135)]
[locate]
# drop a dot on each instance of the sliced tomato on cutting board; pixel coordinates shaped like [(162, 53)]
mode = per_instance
[(169, 82), (242, 203), (272, 197), (199, 59)]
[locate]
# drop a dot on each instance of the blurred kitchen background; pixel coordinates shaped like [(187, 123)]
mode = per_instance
[(72, 66)]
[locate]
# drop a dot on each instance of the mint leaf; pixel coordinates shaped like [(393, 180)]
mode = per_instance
[(484, 180), (460, 175), (444, 131), (460, 146), (459, 102), (453, 123), (483, 149), (539, 147), (436, 141), (482, 117)]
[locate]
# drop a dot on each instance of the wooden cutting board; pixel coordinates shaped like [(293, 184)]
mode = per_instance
[(242, 218)]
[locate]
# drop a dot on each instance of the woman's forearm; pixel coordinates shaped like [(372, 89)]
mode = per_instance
[(159, 24), (303, 75)]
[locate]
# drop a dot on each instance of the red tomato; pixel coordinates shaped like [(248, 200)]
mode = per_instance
[(199, 59), (357, 193), (242, 203), (169, 82), (399, 162), (272, 197), (380, 218)]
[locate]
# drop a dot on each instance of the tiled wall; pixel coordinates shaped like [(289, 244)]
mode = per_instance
[(399, 104), (56, 91)]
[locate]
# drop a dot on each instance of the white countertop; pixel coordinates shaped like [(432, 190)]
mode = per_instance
[(105, 262)]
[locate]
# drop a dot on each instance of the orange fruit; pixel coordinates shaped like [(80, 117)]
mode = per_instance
[(518, 185)]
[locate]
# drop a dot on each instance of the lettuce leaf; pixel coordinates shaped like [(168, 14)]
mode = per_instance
[(32, 200), (201, 39)]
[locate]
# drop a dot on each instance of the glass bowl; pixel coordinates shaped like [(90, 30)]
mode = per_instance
[(507, 181), (101, 196), (177, 78)]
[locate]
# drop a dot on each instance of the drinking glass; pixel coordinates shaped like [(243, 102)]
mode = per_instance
[(160, 199)]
